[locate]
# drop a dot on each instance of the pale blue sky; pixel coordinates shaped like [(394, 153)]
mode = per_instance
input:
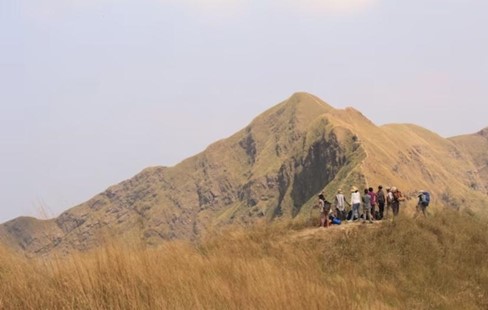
[(92, 92)]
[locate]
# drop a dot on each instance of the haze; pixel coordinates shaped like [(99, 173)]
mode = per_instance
[(92, 92)]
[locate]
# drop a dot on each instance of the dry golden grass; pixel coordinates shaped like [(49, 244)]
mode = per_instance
[(434, 263)]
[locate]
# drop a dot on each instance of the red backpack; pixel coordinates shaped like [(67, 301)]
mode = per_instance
[(398, 196)]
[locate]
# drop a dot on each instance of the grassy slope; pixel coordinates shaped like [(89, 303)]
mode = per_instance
[(413, 158), (28, 230), (437, 263), (207, 190), (476, 145), (280, 127), (198, 193)]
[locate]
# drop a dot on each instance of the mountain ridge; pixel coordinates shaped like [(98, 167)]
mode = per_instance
[(272, 168)]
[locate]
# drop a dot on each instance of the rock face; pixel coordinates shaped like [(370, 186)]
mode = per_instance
[(271, 169)]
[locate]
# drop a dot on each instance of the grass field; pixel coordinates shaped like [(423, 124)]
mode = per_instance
[(434, 263)]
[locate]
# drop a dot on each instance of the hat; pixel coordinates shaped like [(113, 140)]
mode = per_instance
[(393, 189), (354, 189), (339, 190), (388, 188), (421, 192)]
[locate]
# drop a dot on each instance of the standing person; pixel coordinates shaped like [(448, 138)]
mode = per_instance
[(380, 197), (389, 200), (355, 203), (397, 197), (321, 208), (372, 194), (366, 206), (423, 203), (325, 207), (340, 203)]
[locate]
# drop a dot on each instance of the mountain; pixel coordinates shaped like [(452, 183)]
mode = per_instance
[(271, 169), (476, 146)]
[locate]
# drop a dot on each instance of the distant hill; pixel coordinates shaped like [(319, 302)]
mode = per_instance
[(476, 146), (273, 168)]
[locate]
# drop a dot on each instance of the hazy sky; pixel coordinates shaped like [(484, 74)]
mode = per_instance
[(93, 91)]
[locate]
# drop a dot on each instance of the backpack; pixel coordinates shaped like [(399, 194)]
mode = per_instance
[(336, 221), (389, 197), (327, 206), (425, 199), (398, 196), (349, 216)]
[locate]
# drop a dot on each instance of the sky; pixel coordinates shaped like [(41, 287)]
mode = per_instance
[(92, 92)]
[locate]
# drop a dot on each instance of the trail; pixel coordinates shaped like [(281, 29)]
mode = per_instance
[(333, 230)]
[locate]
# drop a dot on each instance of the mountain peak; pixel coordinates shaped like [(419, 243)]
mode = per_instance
[(299, 110), (272, 168), (305, 108), (308, 101)]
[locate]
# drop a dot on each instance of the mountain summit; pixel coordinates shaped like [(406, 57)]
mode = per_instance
[(273, 168)]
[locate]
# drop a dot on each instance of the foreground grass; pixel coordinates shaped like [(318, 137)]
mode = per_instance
[(435, 263)]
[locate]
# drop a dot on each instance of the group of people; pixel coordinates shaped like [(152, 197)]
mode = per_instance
[(366, 206)]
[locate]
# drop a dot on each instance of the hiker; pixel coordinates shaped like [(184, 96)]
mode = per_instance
[(321, 205), (423, 203), (395, 204), (380, 197), (325, 208), (355, 204), (372, 195), (389, 200), (366, 206), (340, 205)]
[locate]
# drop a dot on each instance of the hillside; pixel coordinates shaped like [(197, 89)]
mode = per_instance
[(271, 169), (476, 146), (434, 263)]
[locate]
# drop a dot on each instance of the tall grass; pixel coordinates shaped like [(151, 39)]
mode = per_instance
[(435, 263)]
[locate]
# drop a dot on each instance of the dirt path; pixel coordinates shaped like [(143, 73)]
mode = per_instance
[(333, 230)]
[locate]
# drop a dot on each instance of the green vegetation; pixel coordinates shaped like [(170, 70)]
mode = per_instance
[(433, 263)]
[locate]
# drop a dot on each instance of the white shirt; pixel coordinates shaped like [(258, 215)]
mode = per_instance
[(321, 204), (355, 198), (340, 201)]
